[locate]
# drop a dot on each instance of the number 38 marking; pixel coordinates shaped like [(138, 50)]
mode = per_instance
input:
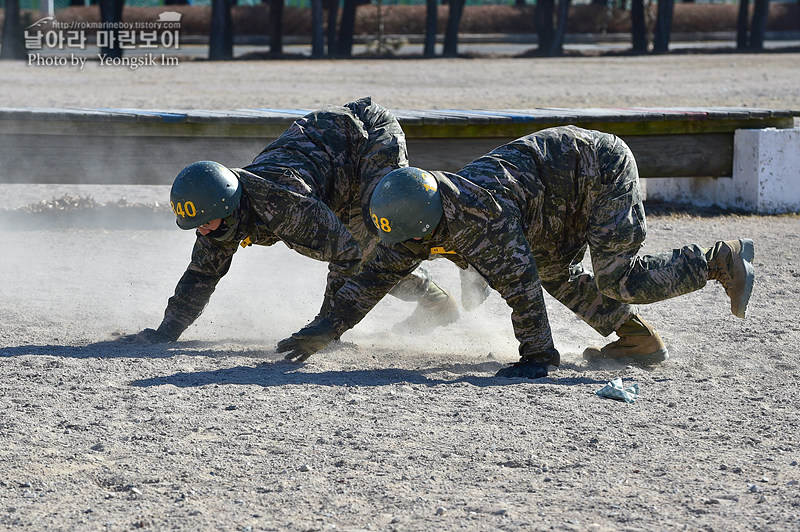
[(184, 209), (382, 224)]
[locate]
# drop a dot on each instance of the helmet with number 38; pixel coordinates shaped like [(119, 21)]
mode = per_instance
[(406, 204), (204, 191)]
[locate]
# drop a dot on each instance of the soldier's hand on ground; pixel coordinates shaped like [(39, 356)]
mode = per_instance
[(308, 340), (146, 336)]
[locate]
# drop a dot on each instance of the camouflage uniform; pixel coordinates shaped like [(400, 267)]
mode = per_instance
[(523, 216), (304, 189)]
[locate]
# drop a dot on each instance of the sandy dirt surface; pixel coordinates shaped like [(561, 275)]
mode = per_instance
[(382, 431), (735, 80)]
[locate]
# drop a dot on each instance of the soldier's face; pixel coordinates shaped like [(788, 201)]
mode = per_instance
[(207, 227)]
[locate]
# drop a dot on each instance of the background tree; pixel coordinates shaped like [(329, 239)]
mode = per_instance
[(557, 45), (663, 25), (332, 6), (742, 24), (276, 29), (543, 22), (317, 29), (347, 25), (431, 27), (13, 41), (750, 36), (451, 32), (638, 27), (758, 26), (561, 29), (111, 16), (551, 26), (220, 46)]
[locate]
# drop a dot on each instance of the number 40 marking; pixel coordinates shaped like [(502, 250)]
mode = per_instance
[(184, 209)]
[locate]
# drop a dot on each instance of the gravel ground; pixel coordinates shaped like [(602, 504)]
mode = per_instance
[(382, 432)]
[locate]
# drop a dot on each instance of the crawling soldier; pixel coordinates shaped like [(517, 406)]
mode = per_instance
[(309, 189), (523, 216)]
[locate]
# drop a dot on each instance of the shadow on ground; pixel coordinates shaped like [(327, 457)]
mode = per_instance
[(118, 349), (279, 373), (271, 372)]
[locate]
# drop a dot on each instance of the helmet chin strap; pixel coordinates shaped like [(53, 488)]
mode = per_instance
[(417, 244), (225, 230), (429, 236)]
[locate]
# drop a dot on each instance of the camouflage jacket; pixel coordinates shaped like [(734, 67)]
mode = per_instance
[(303, 189), (535, 193)]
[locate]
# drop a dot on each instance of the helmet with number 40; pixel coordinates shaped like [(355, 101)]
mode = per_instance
[(406, 204), (204, 191)]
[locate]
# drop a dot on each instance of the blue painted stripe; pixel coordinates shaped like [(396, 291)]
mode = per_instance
[(517, 118), (170, 118)]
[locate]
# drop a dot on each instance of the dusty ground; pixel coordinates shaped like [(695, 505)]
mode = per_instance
[(216, 432), (739, 80)]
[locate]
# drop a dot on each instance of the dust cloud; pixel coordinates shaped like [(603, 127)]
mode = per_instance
[(108, 267)]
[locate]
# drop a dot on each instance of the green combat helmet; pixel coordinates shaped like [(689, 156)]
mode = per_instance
[(406, 204), (202, 192)]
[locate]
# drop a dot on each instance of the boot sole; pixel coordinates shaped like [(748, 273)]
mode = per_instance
[(747, 254), (650, 359)]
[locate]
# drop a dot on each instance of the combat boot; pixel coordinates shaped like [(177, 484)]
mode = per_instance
[(638, 344), (436, 308), (731, 263)]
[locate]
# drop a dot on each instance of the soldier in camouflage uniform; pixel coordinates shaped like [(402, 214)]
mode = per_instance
[(523, 216), (309, 189)]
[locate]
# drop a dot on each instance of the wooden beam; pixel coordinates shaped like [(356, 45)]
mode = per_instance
[(83, 159), (56, 145), (705, 155)]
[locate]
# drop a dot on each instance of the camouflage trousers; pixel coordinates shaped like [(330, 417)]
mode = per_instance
[(621, 279)]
